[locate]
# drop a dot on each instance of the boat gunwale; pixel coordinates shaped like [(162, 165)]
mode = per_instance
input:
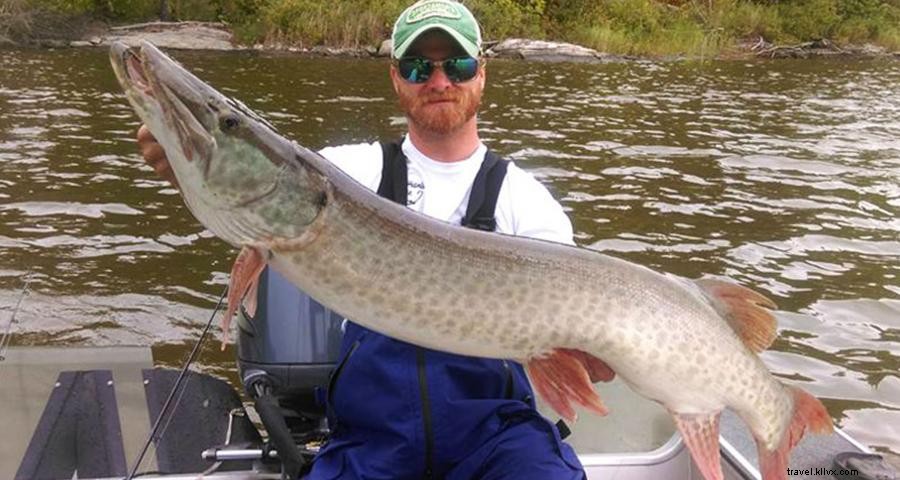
[(665, 452)]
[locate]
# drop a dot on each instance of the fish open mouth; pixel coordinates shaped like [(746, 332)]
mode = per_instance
[(161, 90), (134, 69)]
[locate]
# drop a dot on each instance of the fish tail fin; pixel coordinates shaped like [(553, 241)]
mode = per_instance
[(701, 435), (564, 377), (809, 413), (243, 282)]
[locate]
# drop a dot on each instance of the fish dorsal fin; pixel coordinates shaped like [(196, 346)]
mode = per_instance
[(748, 312)]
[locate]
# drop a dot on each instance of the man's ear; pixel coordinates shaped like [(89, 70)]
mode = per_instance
[(395, 78)]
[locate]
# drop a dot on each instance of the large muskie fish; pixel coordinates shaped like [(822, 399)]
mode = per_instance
[(572, 316)]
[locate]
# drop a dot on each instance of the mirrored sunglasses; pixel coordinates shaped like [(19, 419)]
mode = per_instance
[(419, 70)]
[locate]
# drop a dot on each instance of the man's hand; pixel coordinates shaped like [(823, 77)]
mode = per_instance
[(154, 155)]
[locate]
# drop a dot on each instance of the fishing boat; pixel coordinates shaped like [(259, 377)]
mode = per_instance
[(91, 412)]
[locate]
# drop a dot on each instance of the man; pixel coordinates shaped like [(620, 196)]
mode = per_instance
[(399, 411)]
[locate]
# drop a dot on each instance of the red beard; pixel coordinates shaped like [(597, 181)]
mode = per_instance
[(441, 118)]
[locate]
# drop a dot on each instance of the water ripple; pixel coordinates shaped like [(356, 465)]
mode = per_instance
[(40, 209), (783, 176)]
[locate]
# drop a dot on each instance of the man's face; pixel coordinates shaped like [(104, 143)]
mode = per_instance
[(438, 105)]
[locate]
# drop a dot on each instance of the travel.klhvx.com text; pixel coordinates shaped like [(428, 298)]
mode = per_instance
[(825, 472)]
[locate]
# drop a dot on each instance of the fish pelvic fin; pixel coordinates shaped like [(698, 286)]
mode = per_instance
[(598, 370), (243, 283), (748, 312), (701, 435), (809, 413), (565, 377)]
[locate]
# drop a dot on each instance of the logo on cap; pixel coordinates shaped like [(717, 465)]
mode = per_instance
[(432, 9)]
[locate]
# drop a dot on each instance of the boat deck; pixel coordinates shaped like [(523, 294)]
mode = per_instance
[(636, 441)]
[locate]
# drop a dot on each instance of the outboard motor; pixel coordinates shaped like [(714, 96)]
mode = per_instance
[(285, 355)]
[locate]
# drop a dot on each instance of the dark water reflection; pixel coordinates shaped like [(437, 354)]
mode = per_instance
[(782, 175)]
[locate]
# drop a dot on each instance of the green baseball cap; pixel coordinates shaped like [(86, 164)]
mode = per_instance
[(447, 15)]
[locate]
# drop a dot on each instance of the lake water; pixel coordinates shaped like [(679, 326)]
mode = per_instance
[(784, 176)]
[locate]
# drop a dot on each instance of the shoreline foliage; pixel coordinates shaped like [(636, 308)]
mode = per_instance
[(638, 27)]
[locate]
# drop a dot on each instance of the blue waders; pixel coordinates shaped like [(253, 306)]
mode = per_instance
[(399, 411)]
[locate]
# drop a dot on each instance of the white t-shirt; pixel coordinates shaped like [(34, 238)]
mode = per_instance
[(441, 189)]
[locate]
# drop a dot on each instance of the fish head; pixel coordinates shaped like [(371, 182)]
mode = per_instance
[(238, 176)]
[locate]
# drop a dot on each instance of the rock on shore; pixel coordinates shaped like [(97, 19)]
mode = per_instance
[(548, 51), (177, 35)]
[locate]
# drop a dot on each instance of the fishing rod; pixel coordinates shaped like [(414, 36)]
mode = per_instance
[(181, 376), (4, 340)]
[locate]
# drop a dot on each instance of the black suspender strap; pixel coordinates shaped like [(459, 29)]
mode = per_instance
[(393, 173), (484, 194), (482, 199)]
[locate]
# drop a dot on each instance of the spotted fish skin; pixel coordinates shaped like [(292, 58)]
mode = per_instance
[(500, 296), (573, 316)]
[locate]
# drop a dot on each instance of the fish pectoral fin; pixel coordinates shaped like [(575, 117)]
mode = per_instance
[(808, 413), (748, 312), (564, 377), (701, 435), (250, 297), (244, 280)]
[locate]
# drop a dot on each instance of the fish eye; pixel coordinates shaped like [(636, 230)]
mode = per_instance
[(229, 122)]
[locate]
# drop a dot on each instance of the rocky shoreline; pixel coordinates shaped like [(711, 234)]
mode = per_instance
[(217, 36)]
